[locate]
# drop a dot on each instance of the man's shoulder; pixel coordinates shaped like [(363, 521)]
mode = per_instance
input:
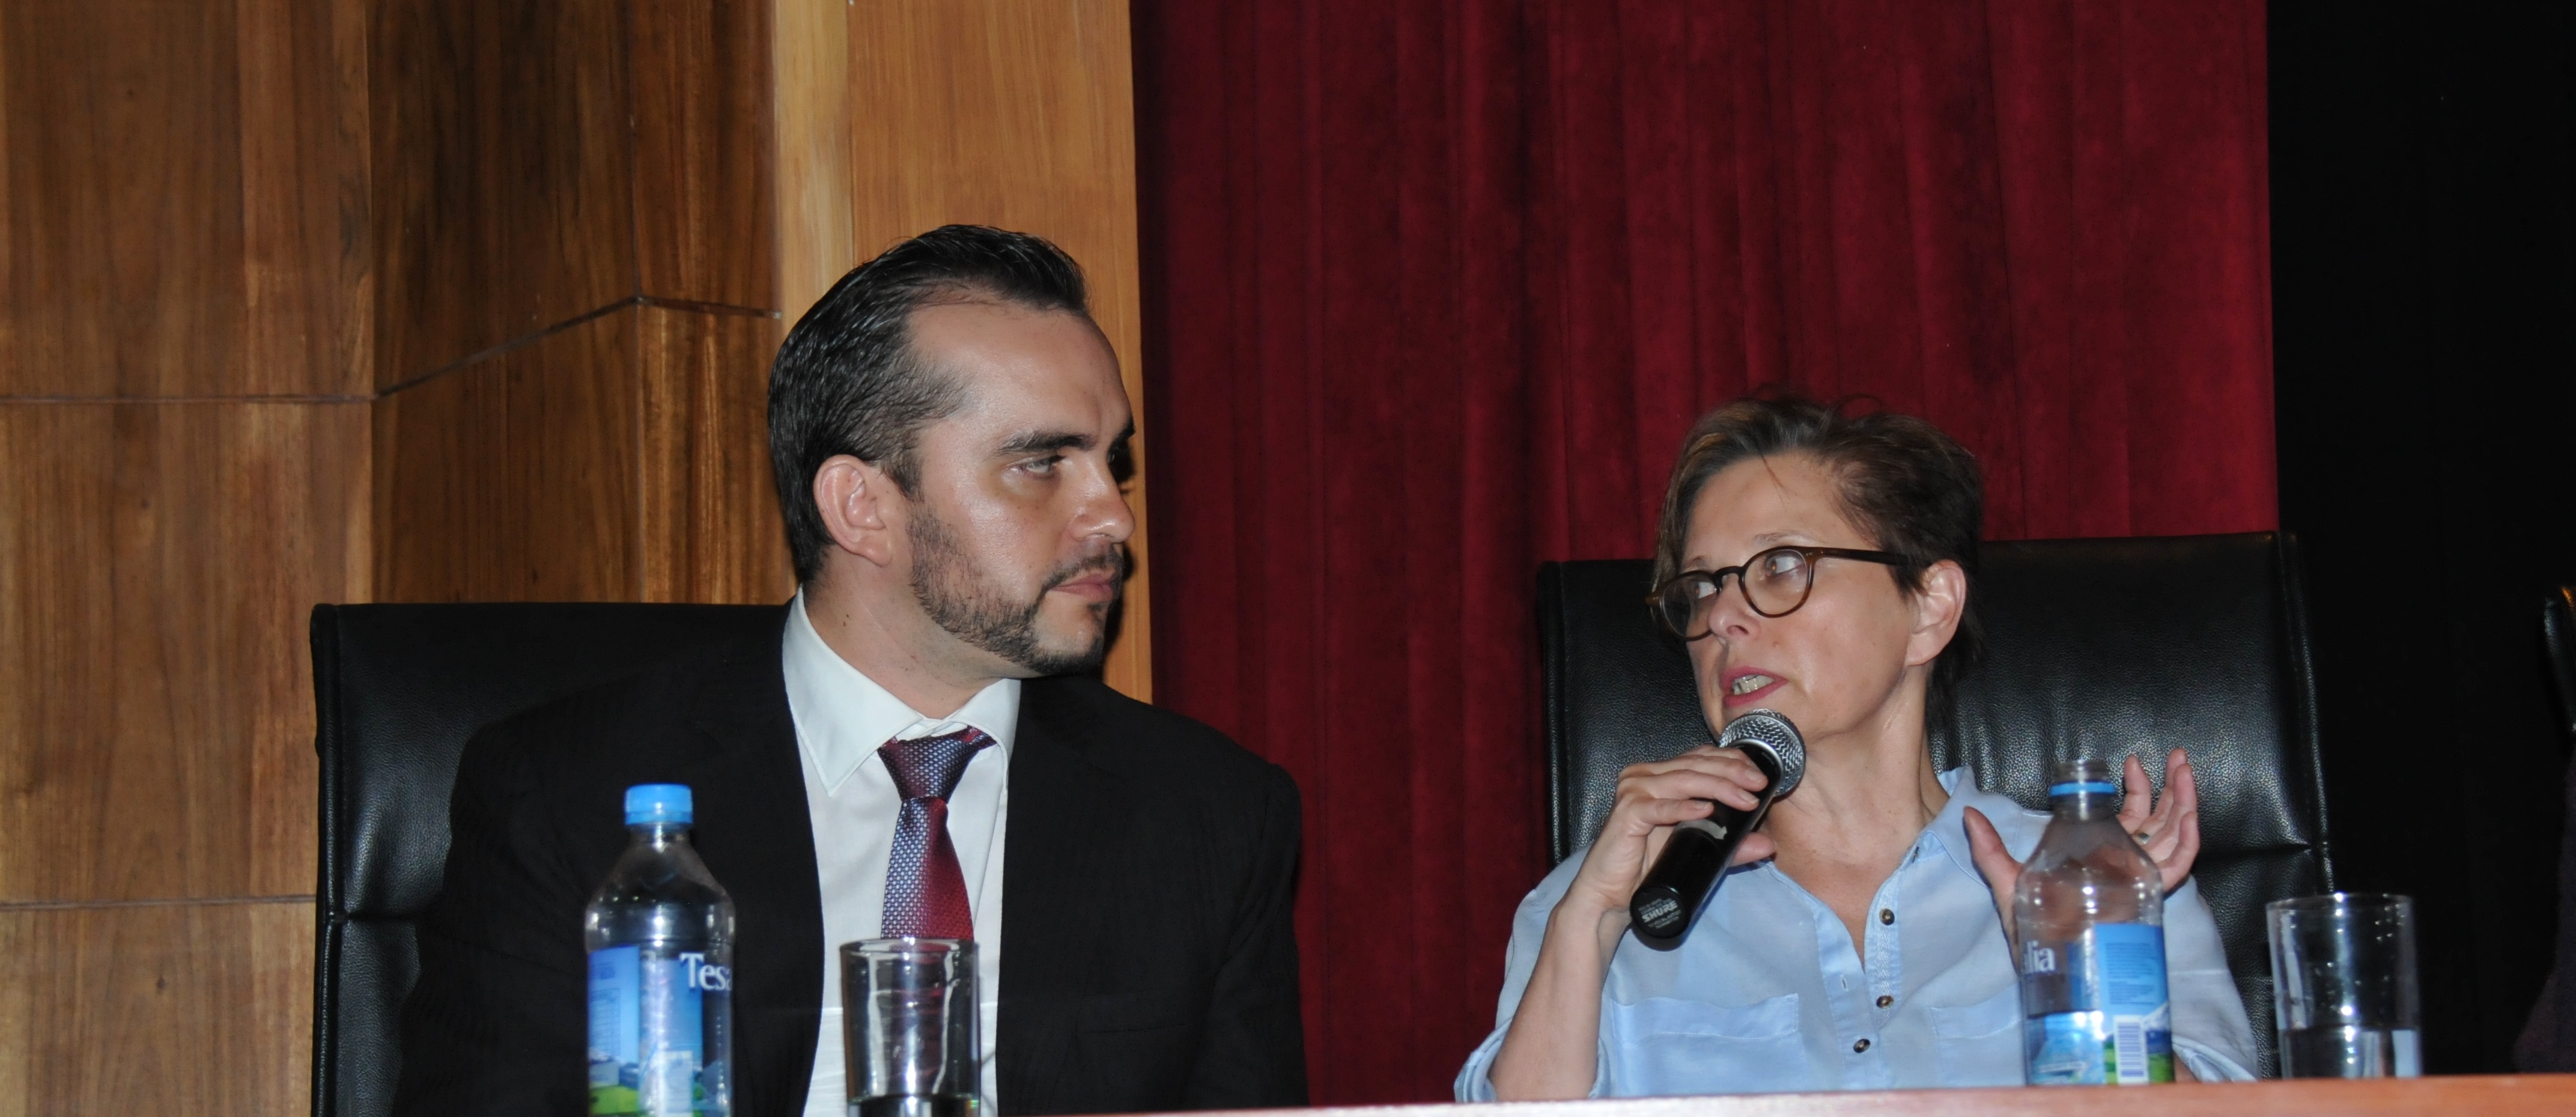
[(1145, 741)]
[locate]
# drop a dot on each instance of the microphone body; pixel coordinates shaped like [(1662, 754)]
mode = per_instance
[(1677, 887)]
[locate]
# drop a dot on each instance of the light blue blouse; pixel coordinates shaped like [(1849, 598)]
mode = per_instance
[(1768, 993)]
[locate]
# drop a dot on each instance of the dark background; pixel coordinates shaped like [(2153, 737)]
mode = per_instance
[(2424, 316)]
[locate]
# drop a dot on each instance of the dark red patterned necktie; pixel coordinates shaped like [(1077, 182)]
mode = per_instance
[(925, 890)]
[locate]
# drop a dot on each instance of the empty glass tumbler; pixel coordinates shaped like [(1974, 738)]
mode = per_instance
[(2343, 979), (911, 1034)]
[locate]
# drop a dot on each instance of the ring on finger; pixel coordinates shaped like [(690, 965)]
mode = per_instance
[(2143, 836)]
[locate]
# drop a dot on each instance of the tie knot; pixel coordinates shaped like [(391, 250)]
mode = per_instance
[(928, 767)]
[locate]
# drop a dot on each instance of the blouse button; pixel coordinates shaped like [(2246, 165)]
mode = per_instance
[(1884, 1001), (1860, 1046), (1886, 916)]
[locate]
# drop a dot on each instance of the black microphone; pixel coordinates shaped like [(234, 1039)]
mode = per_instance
[(1686, 874)]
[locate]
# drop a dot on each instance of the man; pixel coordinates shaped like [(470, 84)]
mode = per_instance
[(917, 743)]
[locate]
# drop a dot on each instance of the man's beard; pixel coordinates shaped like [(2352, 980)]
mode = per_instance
[(952, 588)]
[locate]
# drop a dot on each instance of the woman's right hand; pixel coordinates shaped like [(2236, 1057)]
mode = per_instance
[(1652, 798), (1555, 1031)]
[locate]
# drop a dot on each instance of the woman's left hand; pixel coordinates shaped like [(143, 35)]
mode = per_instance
[(2169, 830)]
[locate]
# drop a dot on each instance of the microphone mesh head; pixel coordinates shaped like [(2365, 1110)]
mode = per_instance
[(1768, 731)]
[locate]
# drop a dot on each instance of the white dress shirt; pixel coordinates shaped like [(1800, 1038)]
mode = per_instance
[(842, 718), (1769, 993)]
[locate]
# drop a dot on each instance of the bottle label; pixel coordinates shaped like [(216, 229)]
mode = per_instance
[(2098, 1008), (648, 1036)]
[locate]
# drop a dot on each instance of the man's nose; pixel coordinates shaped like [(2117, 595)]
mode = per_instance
[(1103, 513)]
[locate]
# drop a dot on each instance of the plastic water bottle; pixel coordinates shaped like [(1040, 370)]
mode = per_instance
[(660, 934), (2090, 915)]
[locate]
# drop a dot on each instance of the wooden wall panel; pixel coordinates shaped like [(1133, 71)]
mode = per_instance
[(810, 110), (995, 112), (503, 204), (156, 565), (710, 517), (515, 478), (706, 231), (156, 1009), (182, 206)]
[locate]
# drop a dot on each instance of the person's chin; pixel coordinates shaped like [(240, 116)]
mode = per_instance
[(1072, 644)]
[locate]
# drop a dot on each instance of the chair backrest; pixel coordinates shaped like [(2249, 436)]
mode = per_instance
[(2094, 647), (397, 690), (2548, 1040)]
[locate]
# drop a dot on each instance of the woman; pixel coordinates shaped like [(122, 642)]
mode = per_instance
[(1820, 565)]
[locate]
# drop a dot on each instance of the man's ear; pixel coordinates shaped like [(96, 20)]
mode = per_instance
[(854, 499), (1937, 609)]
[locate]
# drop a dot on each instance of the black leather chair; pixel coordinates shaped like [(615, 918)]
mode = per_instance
[(397, 690), (2544, 1045), (2099, 647)]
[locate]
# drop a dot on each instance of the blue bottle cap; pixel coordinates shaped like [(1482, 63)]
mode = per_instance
[(648, 803)]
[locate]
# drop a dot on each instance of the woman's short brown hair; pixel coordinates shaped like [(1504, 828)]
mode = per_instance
[(1914, 490)]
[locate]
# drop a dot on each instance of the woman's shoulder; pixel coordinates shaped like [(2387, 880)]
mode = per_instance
[(2019, 826)]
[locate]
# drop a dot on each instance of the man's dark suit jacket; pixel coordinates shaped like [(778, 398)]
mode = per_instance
[(1148, 960)]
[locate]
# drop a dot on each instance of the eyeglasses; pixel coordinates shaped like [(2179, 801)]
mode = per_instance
[(1776, 582)]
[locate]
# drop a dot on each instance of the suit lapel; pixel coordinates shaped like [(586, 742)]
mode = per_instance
[(1065, 833), (757, 836)]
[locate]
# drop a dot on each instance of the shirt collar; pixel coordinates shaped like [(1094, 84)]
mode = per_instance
[(2019, 828), (843, 717)]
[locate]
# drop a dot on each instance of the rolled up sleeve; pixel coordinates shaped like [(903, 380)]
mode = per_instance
[(2210, 1030), (1529, 927)]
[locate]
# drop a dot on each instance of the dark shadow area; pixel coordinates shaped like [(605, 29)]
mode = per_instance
[(2424, 309)]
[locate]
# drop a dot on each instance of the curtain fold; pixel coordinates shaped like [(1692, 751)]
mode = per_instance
[(1434, 287)]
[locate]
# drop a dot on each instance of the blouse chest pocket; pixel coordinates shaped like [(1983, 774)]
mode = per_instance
[(1979, 1044), (1665, 1045)]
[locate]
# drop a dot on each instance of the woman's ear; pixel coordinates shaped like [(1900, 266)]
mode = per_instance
[(1938, 605)]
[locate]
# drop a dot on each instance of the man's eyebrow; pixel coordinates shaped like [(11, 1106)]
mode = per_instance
[(1043, 442)]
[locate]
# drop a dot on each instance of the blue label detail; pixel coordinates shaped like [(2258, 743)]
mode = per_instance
[(614, 1031), (2121, 1027), (2092, 787), (648, 1033)]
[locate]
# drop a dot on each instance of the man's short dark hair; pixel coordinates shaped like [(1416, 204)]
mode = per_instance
[(848, 382)]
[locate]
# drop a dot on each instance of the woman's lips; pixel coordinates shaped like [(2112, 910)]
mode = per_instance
[(1747, 685)]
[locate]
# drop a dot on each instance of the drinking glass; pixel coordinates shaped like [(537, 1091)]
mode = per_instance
[(910, 1036), (2343, 981)]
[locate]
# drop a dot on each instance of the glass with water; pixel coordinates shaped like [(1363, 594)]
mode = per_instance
[(2343, 978), (911, 1033)]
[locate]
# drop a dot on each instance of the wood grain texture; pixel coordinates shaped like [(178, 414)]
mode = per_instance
[(994, 112), (2491, 1094), (709, 513), (183, 203), (810, 125), (180, 1009), (705, 225), (503, 200), (515, 478), (156, 714)]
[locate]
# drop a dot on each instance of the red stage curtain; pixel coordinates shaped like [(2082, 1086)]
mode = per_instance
[(1435, 286)]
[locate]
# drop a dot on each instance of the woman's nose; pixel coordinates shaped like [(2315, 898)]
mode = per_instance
[(1730, 616)]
